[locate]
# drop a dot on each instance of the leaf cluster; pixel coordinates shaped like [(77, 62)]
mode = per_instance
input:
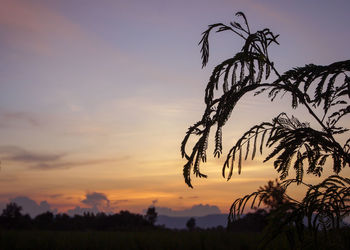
[(237, 75), (295, 144), (325, 89), (324, 206)]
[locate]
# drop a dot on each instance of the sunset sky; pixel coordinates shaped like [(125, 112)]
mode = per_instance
[(96, 96)]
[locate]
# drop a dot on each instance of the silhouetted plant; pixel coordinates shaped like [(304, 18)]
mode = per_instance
[(44, 220), (323, 90), (11, 218), (12, 211), (151, 215), (273, 195), (252, 222), (191, 224)]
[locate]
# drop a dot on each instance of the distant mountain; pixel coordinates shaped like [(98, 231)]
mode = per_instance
[(207, 221), (196, 210)]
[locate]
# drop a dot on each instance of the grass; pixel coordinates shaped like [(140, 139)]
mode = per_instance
[(154, 240), (129, 240)]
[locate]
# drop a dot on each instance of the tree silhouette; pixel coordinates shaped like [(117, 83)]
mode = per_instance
[(273, 195), (12, 211), (151, 215), (11, 216), (191, 224), (323, 90)]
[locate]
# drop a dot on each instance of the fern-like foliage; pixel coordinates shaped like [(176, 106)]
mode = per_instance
[(325, 89), (325, 206), (239, 75), (294, 143)]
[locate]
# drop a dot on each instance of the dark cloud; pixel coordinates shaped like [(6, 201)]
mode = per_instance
[(97, 202), (196, 210), (96, 199), (54, 196), (69, 164), (19, 154), (32, 208), (190, 197), (47, 161), (10, 119), (115, 202)]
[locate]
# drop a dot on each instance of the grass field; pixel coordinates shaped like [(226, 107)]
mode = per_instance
[(130, 240), (156, 240)]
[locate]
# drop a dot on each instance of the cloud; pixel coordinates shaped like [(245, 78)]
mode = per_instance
[(68, 164), (119, 201), (20, 155), (189, 197), (97, 202), (196, 210), (11, 119), (96, 199), (71, 164), (54, 196), (32, 208), (17, 154), (47, 161)]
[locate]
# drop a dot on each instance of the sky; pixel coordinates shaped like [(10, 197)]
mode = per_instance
[(96, 96)]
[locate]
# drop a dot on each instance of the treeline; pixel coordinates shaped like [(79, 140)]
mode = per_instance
[(12, 218)]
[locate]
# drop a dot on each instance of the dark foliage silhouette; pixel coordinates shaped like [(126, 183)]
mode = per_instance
[(323, 90), (251, 222), (12, 218), (12, 211), (191, 224), (151, 215)]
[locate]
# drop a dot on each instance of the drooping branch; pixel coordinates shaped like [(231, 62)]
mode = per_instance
[(311, 86), (254, 57)]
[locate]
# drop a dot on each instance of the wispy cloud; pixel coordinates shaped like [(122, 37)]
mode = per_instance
[(18, 154), (54, 196), (70, 164), (49, 161), (115, 202), (17, 119)]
